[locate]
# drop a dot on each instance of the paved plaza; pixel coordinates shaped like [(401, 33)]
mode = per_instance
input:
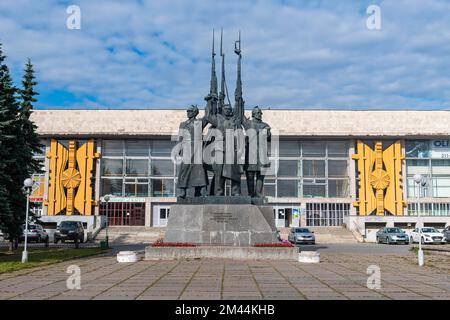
[(338, 276)]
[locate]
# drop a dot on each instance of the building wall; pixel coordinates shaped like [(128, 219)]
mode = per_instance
[(324, 127)]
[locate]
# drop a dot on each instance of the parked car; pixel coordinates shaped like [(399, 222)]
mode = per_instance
[(301, 235), (69, 230), (35, 233), (392, 235), (429, 235)]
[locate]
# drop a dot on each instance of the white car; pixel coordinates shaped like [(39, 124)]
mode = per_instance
[(429, 235)]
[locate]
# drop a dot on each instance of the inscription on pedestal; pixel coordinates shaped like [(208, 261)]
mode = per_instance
[(223, 217)]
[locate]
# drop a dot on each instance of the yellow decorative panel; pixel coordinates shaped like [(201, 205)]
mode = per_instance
[(70, 178), (379, 179)]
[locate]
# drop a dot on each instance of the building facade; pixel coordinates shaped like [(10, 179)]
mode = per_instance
[(332, 168)]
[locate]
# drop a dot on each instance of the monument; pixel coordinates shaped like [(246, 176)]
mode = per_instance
[(233, 146)]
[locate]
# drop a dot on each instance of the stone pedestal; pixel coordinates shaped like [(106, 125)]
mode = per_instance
[(221, 224)]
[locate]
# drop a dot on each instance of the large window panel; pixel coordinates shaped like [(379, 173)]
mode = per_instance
[(112, 186), (287, 188), (136, 190), (338, 149), (441, 187), (162, 167), (337, 168), (269, 190), (137, 148), (163, 188), (112, 167), (288, 168), (289, 148), (417, 166), (313, 168), (162, 148), (314, 191), (314, 149), (112, 148), (338, 188), (137, 167), (440, 167)]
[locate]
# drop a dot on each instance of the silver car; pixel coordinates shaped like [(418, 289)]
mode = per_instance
[(392, 235), (446, 233), (301, 235), (35, 233)]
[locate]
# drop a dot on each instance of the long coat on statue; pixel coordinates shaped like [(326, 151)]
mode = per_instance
[(192, 174), (253, 141), (232, 170)]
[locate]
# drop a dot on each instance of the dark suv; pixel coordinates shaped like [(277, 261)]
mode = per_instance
[(70, 230)]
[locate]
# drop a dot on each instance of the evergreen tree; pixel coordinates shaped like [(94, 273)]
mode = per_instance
[(28, 128), (8, 123), (19, 142)]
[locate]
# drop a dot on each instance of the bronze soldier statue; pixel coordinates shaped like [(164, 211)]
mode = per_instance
[(256, 158), (192, 173), (223, 169)]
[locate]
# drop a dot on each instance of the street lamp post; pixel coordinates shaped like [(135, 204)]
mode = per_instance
[(106, 198), (420, 181), (28, 184)]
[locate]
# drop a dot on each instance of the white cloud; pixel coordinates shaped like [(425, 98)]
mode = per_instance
[(155, 54)]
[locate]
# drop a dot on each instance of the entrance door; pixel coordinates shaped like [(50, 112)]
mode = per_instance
[(124, 213), (281, 218), (160, 215)]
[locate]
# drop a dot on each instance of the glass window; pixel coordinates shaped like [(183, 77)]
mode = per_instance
[(289, 148), (112, 186), (162, 148), (162, 188), (313, 168), (112, 167), (417, 166), (313, 191), (441, 166), (338, 188), (417, 148), (162, 167), (287, 188), (288, 168), (139, 148), (337, 168), (136, 190), (269, 190), (112, 148), (338, 149), (313, 149), (441, 187), (137, 167)]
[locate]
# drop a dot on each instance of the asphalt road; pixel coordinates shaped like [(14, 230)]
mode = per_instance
[(357, 248), (363, 248)]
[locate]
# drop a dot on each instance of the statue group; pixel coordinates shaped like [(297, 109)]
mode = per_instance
[(232, 146)]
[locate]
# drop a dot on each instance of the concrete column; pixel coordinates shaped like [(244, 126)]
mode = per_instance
[(405, 181), (97, 178), (46, 143), (302, 214), (148, 212), (352, 177)]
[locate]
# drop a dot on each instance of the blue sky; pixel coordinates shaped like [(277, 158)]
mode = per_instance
[(296, 54)]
